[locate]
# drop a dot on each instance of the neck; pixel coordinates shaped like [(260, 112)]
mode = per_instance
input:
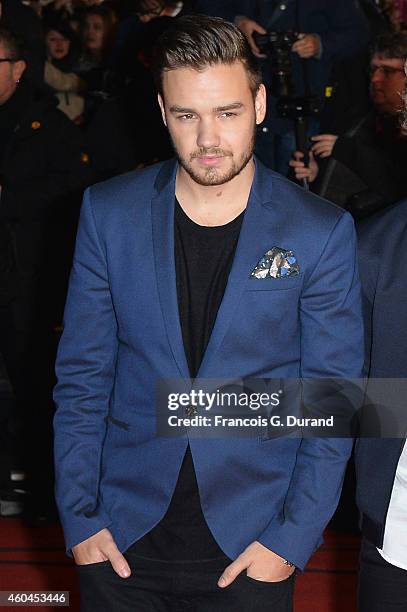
[(216, 204)]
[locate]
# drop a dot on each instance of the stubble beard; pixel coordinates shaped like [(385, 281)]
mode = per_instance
[(213, 176)]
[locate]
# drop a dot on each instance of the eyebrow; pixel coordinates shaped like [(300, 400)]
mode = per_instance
[(380, 63), (218, 109)]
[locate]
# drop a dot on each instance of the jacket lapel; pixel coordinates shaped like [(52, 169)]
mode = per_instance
[(246, 256), (163, 244)]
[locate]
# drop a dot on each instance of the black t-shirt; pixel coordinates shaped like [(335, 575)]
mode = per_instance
[(203, 259)]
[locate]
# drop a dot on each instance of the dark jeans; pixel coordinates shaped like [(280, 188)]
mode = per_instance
[(160, 586), (382, 586)]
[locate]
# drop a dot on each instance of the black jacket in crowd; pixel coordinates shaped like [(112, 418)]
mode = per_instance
[(366, 171), (382, 261), (43, 170), (128, 130)]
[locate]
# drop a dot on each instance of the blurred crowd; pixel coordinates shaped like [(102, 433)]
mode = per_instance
[(78, 105)]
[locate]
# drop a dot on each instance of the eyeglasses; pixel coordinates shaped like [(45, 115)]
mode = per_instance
[(387, 71), (6, 59)]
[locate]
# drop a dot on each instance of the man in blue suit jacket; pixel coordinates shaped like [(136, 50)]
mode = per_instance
[(211, 267)]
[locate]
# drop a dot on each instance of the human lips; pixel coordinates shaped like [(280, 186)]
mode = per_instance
[(376, 89), (210, 160), (377, 93)]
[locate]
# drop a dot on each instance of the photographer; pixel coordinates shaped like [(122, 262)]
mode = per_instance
[(363, 170), (327, 31), (43, 172)]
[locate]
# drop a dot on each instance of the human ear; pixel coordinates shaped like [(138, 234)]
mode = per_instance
[(260, 104), (162, 107)]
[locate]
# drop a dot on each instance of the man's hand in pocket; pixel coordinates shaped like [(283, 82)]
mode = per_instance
[(261, 563), (101, 547)]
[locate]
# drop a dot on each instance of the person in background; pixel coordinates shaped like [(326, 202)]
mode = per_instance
[(94, 66), (381, 464), (363, 170), (58, 43), (348, 100), (98, 31), (43, 171), (62, 52)]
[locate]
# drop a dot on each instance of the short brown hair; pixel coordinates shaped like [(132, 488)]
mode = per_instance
[(199, 41), (12, 44), (392, 45)]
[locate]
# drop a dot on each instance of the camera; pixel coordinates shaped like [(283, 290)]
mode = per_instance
[(277, 46), (300, 106)]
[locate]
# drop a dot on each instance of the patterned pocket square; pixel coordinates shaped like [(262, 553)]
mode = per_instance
[(276, 263)]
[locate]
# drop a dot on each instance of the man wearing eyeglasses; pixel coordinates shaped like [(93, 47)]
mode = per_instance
[(21, 19), (363, 170), (387, 79)]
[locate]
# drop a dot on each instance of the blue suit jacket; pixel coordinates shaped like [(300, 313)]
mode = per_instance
[(122, 333), (383, 261)]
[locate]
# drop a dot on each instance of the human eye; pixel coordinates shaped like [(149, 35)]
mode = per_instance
[(228, 115), (186, 117)]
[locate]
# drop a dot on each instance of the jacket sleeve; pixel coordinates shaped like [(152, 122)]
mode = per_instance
[(85, 371), (331, 346)]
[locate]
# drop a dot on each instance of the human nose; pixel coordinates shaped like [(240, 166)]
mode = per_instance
[(376, 74), (208, 136)]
